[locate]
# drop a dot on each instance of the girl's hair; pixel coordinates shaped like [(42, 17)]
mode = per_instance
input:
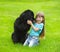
[(41, 14)]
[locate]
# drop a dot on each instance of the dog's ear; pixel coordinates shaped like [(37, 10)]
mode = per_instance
[(27, 14)]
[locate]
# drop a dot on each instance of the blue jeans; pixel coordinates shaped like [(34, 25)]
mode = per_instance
[(31, 41)]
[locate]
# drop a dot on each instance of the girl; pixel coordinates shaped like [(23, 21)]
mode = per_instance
[(33, 38)]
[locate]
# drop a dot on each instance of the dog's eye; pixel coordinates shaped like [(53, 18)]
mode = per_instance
[(23, 13)]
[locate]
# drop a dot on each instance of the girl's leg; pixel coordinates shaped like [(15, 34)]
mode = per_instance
[(33, 42), (27, 41)]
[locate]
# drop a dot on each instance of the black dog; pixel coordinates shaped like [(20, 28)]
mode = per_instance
[(21, 27)]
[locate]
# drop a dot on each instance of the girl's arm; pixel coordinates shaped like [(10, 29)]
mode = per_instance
[(30, 23), (36, 29)]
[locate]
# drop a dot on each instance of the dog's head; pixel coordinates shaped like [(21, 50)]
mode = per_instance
[(27, 15)]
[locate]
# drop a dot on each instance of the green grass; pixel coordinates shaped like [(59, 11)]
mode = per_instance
[(27, 0), (9, 11)]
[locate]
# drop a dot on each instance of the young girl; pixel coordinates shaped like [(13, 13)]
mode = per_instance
[(33, 38)]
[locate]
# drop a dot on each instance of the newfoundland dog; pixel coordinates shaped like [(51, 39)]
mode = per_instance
[(21, 27)]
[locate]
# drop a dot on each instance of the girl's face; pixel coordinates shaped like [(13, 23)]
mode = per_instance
[(39, 18)]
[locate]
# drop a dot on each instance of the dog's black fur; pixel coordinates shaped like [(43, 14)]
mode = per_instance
[(21, 27)]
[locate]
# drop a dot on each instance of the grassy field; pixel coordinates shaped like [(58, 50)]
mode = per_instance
[(9, 11)]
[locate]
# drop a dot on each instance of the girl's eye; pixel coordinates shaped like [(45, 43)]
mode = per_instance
[(41, 16), (38, 16)]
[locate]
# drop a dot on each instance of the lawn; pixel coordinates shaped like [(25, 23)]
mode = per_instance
[(9, 11)]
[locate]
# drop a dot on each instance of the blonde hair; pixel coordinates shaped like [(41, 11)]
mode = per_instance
[(41, 14)]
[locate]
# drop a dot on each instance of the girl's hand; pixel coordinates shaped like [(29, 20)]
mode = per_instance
[(29, 22)]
